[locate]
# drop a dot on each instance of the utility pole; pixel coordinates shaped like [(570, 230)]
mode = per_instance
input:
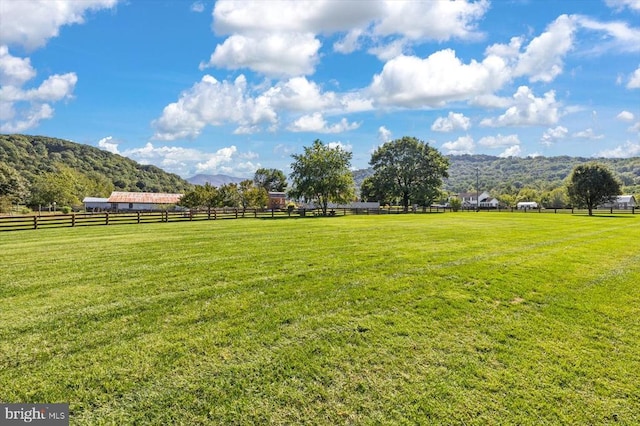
[(477, 189)]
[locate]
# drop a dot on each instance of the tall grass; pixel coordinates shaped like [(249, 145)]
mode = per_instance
[(444, 319)]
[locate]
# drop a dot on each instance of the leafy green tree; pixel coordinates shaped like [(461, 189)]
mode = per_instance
[(13, 187), (556, 198), (229, 195), (592, 184), (252, 195), (200, 196), (272, 180), (410, 170), (528, 194), (65, 187), (370, 190), (322, 174)]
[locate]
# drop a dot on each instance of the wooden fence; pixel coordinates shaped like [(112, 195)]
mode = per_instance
[(25, 222)]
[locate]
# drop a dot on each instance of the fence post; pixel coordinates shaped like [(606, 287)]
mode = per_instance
[(236, 210), (106, 218), (138, 217), (73, 220), (35, 222)]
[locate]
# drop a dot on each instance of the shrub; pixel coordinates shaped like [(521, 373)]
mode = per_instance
[(65, 209)]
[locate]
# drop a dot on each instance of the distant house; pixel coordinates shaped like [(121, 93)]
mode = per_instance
[(470, 200), (95, 204), (142, 201), (527, 205), (277, 200), (622, 202)]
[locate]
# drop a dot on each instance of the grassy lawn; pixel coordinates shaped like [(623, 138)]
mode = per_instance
[(468, 318)]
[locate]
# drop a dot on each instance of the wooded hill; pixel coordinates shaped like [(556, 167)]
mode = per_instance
[(33, 156), (508, 175)]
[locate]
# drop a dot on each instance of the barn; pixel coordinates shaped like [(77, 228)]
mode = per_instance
[(143, 201)]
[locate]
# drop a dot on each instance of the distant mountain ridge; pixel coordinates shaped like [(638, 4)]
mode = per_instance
[(214, 180)]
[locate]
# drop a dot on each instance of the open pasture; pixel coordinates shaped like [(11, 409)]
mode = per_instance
[(402, 319)]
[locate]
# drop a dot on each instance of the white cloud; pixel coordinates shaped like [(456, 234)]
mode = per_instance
[(301, 95), (462, 145), (384, 135), (629, 149), (619, 5), (21, 108), (14, 71), (276, 55), (551, 136), (210, 102), (542, 59), (26, 120), (499, 141), (625, 116), (634, 80), (441, 20), (108, 145), (527, 110), (31, 23), (619, 35), (316, 123), (454, 121), (280, 37), (409, 81), (197, 7), (187, 162), (512, 151), (345, 147), (588, 134)]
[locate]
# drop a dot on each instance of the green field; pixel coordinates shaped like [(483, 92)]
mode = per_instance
[(468, 318)]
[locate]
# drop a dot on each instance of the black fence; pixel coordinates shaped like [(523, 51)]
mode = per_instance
[(54, 220)]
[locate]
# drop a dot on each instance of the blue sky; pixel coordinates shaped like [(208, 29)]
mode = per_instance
[(231, 86)]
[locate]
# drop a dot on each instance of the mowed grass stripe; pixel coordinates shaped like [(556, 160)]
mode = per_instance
[(449, 318)]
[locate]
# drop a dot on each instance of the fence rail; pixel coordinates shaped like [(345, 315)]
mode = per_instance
[(26, 222)]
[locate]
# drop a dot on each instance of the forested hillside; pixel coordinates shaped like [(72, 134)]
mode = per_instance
[(507, 175), (33, 156)]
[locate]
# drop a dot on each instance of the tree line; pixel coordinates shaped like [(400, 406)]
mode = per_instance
[(402, 172)]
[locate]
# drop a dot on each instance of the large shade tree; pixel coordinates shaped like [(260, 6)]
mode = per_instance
[(322, 175), (591, 185), (409, 170)]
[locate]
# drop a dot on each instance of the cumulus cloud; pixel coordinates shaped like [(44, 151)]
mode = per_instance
[(281, 37), (409, 81), (187, 162), (542, 59), (316, 123), (342, 146), (629, 149), (462, 145), (384, 135), (211, 102), (550, 136), (23, 108), (499, 141), (108, 145), (275, 55), (634, 80), (588, 134), (527, 110), (512, 151), (454, 121), (625, 116), (31, 23)]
